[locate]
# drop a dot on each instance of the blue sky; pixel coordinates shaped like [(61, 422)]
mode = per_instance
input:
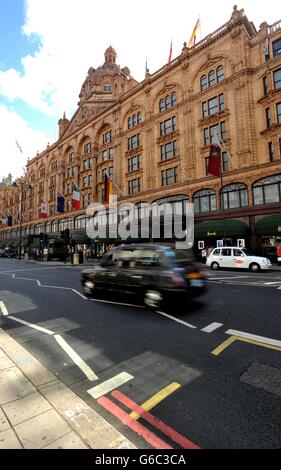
[(47, 47)]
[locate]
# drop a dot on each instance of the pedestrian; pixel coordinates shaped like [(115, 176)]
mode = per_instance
[(204, 256)]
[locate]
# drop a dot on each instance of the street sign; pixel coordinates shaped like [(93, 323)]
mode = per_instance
[(201, 245)]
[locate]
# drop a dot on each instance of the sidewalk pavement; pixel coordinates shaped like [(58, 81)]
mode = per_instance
[(38, 411)]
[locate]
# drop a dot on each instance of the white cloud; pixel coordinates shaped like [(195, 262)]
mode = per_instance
[(15, 128)]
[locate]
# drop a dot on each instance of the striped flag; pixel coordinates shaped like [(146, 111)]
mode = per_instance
[(75, 200), (107, 189), (43, 209), (195, 32)]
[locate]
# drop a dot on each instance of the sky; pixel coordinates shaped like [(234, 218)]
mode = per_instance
[(48, 46)]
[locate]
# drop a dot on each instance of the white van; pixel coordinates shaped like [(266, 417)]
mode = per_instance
[(232, 257)]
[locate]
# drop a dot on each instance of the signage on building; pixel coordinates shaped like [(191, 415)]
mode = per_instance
[(279, 228), (201, 245), (211, 234)]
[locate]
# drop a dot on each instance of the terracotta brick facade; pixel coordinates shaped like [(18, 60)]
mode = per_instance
[(159, 131)]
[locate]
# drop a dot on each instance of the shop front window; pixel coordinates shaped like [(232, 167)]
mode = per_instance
[(235, 196), (267, 190)]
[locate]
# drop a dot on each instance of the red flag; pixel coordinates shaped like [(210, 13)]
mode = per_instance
[(171, 51), (214, 167)]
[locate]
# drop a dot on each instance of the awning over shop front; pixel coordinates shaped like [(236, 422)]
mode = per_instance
[(269, 225), (81, 238), (3, 244), (16, 244), (24, 242), (10, 243), (215, 228)]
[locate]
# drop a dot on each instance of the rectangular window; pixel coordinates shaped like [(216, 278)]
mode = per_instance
[(278, 113), (169, 176), (107, 88), (168, 126), (267, 116), (52, 181), (107, 137), (277, 79), (168, 150), (276, 48), (88, 148), (71, 157), (209, 133), (133, 142), (280, 147), (205, 109), (90, 180), (134, 163), (104, 155), (265, 85), (85, 181), (134, 186), (224, 158), (111, 153), (270, 151)]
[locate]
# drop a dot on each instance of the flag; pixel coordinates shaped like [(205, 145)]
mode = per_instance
[(266, 49), (18, 145), (75, 201), (60, 203), (146, 67), (43, 209), (4, 221), (214, 166), (10, 220), (194, 34), (107, 189), (171, 52)]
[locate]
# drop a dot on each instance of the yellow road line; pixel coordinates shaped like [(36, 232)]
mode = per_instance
[(157, 398), (223, 346), (231, 340), (269, 346)]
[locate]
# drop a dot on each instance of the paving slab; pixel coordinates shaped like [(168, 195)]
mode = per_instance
[(13, 385), (5, 363), (26, 408), (70, 441), (9, 440), (42, 430), (92, 427), (31, 367), (4, 423)]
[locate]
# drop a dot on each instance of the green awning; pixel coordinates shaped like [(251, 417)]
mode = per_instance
[(215, 228), (16, 244), (3, 244), (81, 238), (24, 242), (269, 225), (10, 243)]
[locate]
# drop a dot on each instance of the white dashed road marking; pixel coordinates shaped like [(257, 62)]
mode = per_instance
[(212, 327), (109, 385), (177, 320), (3, 309), (31, 325)]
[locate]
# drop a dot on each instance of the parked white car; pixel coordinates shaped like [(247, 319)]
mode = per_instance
[(232, 257)]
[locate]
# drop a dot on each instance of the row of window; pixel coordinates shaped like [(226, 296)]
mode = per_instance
[(268, 115), (213, 77)]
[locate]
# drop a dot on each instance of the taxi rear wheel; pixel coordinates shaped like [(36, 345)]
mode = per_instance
[(153, 298), (215, 266)]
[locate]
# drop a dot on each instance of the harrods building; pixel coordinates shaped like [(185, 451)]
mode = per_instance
[(153, 139)]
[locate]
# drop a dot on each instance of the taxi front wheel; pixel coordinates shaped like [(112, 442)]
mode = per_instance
[(255, 267)]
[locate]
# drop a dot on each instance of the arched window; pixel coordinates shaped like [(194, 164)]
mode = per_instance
[(212, 78), (161, 106), (134, 120), (267, 190), (220, 73), (174, 99), (139, 118), (205, 201), (130, 123), (203, 82), (234, 196), (168, 102)]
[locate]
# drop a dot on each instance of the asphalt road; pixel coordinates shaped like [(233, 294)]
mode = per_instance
[(220, 398)]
